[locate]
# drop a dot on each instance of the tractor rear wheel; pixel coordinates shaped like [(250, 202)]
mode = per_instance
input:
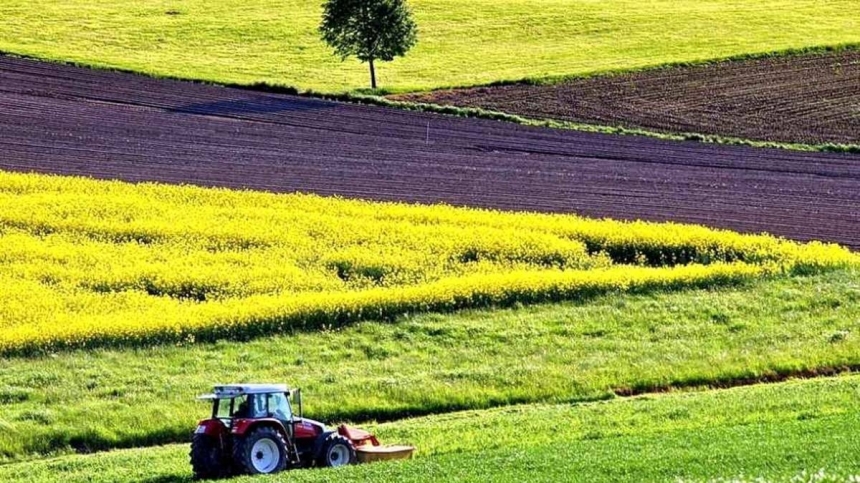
[(207, 458), (336, 451), (261, 452)]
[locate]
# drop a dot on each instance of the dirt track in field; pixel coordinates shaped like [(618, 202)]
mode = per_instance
[(811, 99), (61, 119)]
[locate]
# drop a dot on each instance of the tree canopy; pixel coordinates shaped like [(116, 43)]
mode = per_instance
[(370, 30)]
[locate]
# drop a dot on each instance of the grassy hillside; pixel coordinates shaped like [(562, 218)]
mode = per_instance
[(422, 364), (775, 432), (461, 43)]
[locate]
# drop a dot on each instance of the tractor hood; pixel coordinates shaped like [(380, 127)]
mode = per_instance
[(308, 428), (310, 423)]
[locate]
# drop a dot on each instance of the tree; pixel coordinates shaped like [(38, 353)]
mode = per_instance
[(368, 29)]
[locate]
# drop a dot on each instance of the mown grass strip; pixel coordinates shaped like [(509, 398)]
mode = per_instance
[(433, 363), (774, 431)]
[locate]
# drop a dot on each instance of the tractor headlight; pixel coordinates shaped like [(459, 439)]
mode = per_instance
[(200, 429)]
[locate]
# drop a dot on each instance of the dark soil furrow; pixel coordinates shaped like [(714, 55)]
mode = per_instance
[(67, 120), (813, 99)]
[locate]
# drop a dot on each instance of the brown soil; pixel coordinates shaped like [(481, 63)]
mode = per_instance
[(62, 119), (804, 99)]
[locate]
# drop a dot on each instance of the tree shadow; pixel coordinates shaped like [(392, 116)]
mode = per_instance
[(253, 105)]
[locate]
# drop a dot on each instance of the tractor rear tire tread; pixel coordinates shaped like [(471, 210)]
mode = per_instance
[(242, 446), (207, 460)]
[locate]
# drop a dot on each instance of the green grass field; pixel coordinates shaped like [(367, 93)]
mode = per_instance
[(433, 363), (460, 43), (774, 432)]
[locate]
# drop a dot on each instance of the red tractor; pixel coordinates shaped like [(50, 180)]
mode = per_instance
[(253, 430)]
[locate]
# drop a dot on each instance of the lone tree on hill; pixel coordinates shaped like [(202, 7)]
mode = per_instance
[(368, 29)]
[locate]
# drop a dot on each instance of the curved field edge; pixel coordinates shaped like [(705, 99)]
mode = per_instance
[(631, 107), (96, 263), (774, 432), (259, 44), (261, 316), (478, 113), (377, 98), (432, 363), (621, 71)]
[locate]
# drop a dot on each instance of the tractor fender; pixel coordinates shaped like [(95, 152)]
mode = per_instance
[(211, 427), (243, 426)]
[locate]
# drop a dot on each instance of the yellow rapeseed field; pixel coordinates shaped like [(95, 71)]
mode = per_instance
[(88, 263)]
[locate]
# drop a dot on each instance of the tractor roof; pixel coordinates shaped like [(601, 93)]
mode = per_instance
[(235, 390)]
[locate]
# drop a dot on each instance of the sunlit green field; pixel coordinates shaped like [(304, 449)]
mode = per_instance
[(434, 363), (460, 43), (774, 432)]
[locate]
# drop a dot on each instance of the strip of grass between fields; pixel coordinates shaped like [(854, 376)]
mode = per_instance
[(773, 431), (376, 98), (478, 113)]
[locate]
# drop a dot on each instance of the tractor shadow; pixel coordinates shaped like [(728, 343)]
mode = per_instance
[(168, 479)]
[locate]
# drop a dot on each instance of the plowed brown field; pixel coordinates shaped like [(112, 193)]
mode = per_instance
[(804, 99), (61, 119)]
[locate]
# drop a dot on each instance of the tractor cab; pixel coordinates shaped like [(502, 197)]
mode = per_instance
[(253, 401)]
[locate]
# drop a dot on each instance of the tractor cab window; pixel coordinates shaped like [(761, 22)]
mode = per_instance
[(279, 407), (242, 407), (258, 403), (222, 408)]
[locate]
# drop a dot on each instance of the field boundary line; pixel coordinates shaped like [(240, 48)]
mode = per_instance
[(478, 113), (377, 98), (557, 79)]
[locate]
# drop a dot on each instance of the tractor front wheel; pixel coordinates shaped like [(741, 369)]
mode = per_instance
[(261, 452), (336, 451), (207, 458)]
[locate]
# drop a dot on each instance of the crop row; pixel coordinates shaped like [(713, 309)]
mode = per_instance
[(789, 99), (89, 263)]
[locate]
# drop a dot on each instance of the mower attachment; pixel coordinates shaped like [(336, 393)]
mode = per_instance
[(368, 449)]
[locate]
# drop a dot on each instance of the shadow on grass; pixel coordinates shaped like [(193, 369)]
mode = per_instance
[(169, 479)]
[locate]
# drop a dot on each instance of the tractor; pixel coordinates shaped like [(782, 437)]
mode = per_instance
[(253, 430)]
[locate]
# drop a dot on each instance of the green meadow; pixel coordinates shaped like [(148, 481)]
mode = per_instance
[(802, 431), (460, 43)]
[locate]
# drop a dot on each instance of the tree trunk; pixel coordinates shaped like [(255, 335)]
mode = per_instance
[(372, 75)]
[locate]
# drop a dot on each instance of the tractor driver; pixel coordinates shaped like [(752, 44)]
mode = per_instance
[(244, 409)]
